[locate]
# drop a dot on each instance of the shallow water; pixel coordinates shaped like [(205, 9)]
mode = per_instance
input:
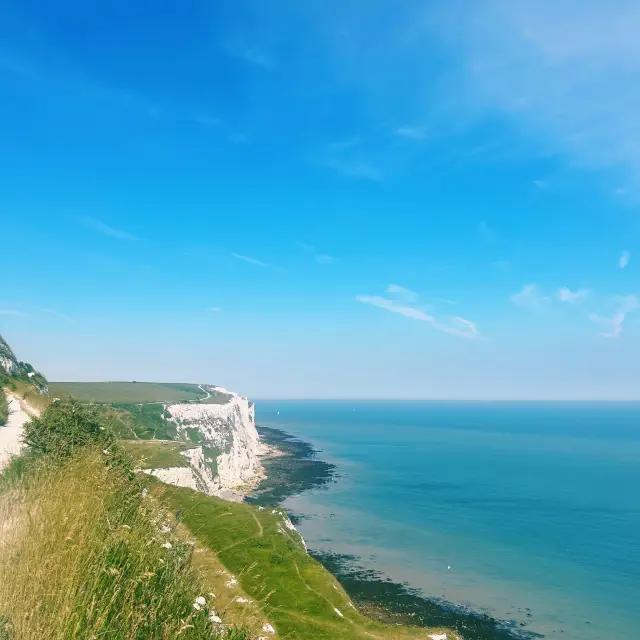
[(535, 507)]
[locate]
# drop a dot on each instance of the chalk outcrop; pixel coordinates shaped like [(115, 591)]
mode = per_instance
[(225, 459)]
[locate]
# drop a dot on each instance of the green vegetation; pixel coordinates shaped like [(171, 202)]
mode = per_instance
[(155, 454), (85, 551), (272, 567), (127, 392), (143, 421), (4, 408)]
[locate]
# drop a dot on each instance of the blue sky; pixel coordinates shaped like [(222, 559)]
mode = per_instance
[(325, 199)]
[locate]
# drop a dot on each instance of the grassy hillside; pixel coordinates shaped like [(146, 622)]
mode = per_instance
[(127, 392), (86, 552), (300, 597)]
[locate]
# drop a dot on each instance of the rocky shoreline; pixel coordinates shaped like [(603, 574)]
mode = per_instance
[(296, 469)]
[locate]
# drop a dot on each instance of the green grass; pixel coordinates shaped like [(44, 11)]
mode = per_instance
[(150, 454), (126, 392), (81, 556), (296, 593), (143, 421)]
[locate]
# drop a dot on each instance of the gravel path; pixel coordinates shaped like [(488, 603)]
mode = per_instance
[(11, 433)]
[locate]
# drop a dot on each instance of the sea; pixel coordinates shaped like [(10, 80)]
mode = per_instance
[(525, 512)]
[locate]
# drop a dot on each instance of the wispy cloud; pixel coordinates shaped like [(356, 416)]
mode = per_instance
[(250, 260), (412, 132), (105, 229), (541, 184), (624, 306), (13, 312), (625, 257), (62, 316), (456, 326), (402, 293), (215, 309), (564, 72), (566, 295), (530, 297)]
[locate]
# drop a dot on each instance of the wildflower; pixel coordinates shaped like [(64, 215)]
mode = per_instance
[(167, 545), (268, 628), (215, 619), (145, 493), (106, 452)]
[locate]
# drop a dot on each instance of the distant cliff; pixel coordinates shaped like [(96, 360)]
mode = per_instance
[(225, 457)]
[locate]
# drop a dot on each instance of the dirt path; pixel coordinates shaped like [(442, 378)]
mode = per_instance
[(204, 391), (11, 433)]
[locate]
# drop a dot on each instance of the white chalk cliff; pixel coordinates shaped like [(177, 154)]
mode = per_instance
[(226, 456)]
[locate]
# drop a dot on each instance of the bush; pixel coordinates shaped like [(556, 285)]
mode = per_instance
[(64, 427)]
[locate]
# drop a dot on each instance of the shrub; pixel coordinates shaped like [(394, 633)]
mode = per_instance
[(64, 427)]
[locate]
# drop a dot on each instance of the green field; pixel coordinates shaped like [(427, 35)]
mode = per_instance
[(127, 392), (300, 597)]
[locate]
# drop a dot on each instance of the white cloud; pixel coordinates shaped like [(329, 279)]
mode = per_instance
[(213, 309), (625, 257), (458, 326), (105, 229), (390, 305), (250, 260), (566, 295), (13, 312), (404, 294), (566, 72), (412, 132), (624, 306), (529, 297), (469, 329)]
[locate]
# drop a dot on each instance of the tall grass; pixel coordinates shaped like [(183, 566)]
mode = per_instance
[(85, 552)]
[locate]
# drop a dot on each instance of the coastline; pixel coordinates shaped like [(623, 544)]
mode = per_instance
[(292, 467)]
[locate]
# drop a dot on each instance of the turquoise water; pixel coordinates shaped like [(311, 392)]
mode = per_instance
[(535, 507)]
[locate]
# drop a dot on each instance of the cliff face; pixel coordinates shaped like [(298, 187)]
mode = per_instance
[(226, 457), (8, 362)]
